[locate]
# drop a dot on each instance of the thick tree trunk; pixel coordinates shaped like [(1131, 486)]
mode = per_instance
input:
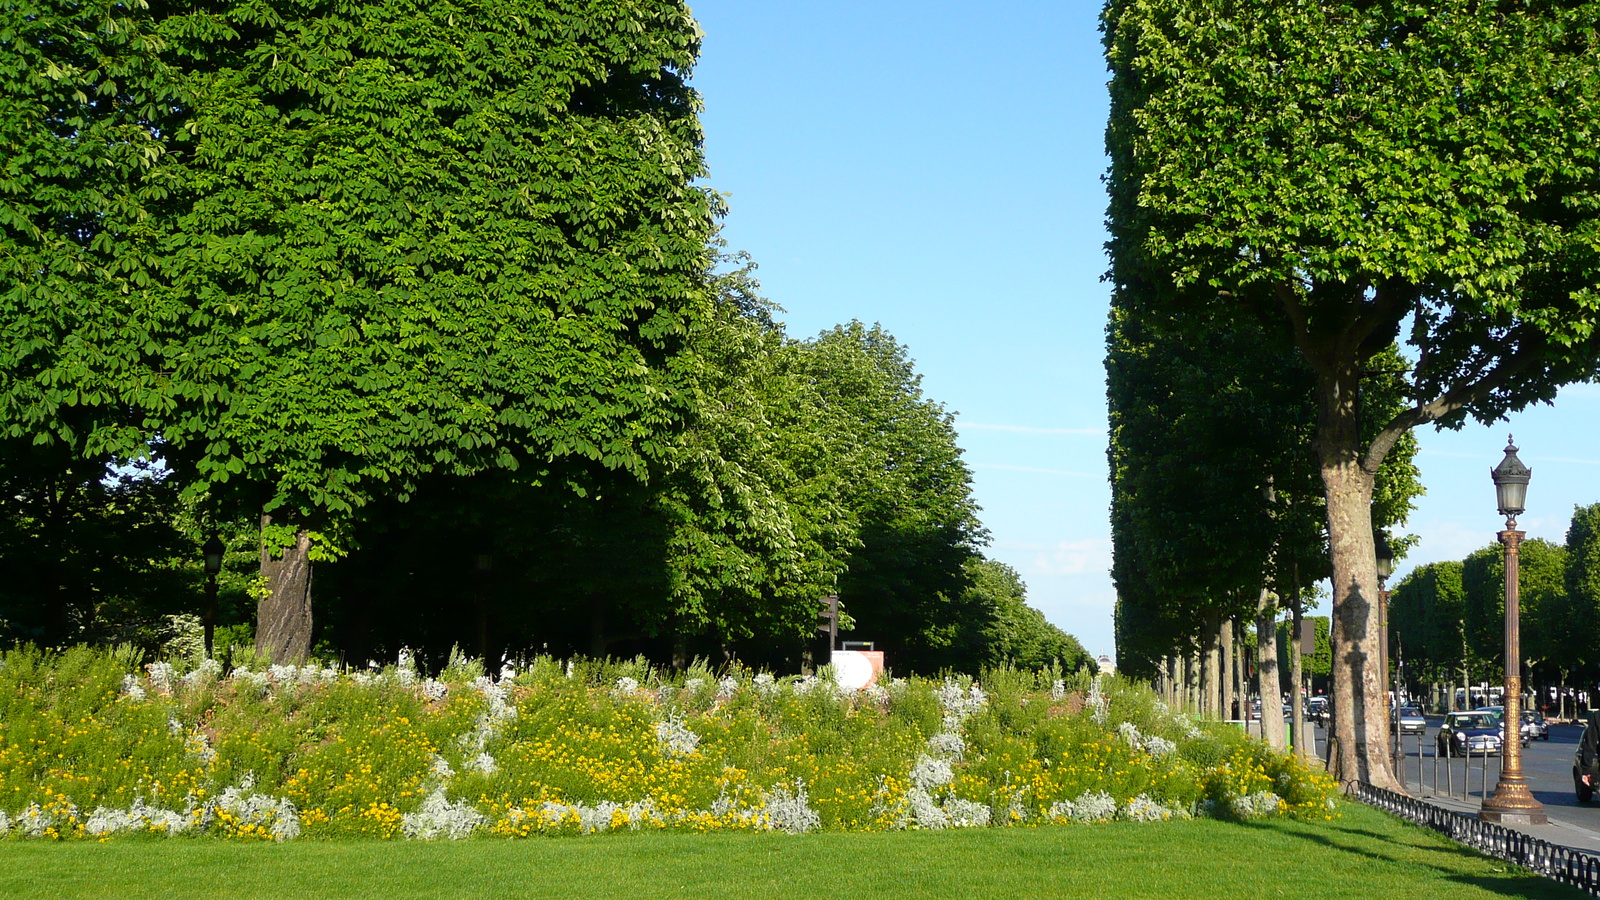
[(283, 618), (1361, 720), (1267, 684)]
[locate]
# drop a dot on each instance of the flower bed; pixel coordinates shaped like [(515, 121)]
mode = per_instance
[(88, 749)]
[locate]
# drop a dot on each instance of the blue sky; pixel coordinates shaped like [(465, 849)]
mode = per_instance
[(936, 167)]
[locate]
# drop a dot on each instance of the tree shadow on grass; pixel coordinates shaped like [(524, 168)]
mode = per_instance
[(1418, 846)]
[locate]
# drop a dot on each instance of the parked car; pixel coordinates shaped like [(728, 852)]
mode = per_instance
[(1411, 721), (1586, 761), (1534, 726), (1463, 732)]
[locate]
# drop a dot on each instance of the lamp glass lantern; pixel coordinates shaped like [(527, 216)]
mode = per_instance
[(212, 552), (1511, 482), (1384, 555)]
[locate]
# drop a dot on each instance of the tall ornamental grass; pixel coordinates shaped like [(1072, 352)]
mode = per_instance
[(93, 745)]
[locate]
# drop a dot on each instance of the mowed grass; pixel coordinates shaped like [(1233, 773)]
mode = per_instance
[(1362, 854)]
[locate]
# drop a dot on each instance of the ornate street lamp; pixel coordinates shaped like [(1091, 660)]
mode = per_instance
[(1512, 803), (211, 552), (1385, 559)]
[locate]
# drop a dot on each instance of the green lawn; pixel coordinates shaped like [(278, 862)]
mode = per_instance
[(1362, 854)]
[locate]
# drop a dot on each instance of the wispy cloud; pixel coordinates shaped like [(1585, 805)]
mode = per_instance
[(1073, 558), (1004, 467), (1027, 429)]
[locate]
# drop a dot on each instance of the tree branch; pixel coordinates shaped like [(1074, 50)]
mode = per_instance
[(1301, 327), (1446, 403), (1373, 328)]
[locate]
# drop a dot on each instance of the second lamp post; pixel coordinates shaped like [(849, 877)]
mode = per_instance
[(1512, 802)]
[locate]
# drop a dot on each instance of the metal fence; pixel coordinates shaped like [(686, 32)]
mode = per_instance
[(1564, 864)]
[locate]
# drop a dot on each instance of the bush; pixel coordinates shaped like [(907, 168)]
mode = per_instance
[(90, 748)]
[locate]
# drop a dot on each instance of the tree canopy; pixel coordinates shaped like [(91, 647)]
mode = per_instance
[(1357, 174)]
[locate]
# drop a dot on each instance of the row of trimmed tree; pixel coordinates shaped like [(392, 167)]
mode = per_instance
[(1330, 224), (1447, 618)]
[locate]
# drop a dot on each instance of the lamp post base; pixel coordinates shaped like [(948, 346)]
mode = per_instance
[(1513, 804)]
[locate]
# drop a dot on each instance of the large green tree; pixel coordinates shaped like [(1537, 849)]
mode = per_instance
[(1356, 174), (350, 245)]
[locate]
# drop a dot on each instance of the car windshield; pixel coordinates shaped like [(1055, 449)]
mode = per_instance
[(1409, 711), (1532, 717), (1477, 720)]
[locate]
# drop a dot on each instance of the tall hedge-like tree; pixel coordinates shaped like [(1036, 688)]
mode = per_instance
[(1216, 506), (1356, 174), (1541, 592), (1427, 621), (316, 251), (1581, 611)]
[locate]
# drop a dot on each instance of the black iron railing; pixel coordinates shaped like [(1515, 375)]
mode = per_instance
[(1575, 867)]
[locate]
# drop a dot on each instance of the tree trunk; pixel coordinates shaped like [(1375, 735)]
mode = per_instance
[(1241, 669), (283, 618), (1267, 684), (1210, 672), (1304, 742), (1361, 719), (1225, 651), (1192, 681)]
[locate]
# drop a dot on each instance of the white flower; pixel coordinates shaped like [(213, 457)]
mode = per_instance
[(966, 813), (930, 773), (958, 704), (276, 814), (626, 685), (727, 686), (676, 738), (1144, 809), (1254, 806), (790, 812), (947, 744), (161, 677), (131, 688), (438, 817), (1091, 807), (1159, 747), (441, 768)]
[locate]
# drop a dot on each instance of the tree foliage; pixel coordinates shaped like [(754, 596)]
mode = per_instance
[(1541, 590), (1581, 609), (1351, 175), (1020, 635)]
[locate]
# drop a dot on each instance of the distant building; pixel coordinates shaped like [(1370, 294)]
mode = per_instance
[(1107, 663)]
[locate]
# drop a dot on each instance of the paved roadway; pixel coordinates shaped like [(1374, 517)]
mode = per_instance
[(1547, 765)]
